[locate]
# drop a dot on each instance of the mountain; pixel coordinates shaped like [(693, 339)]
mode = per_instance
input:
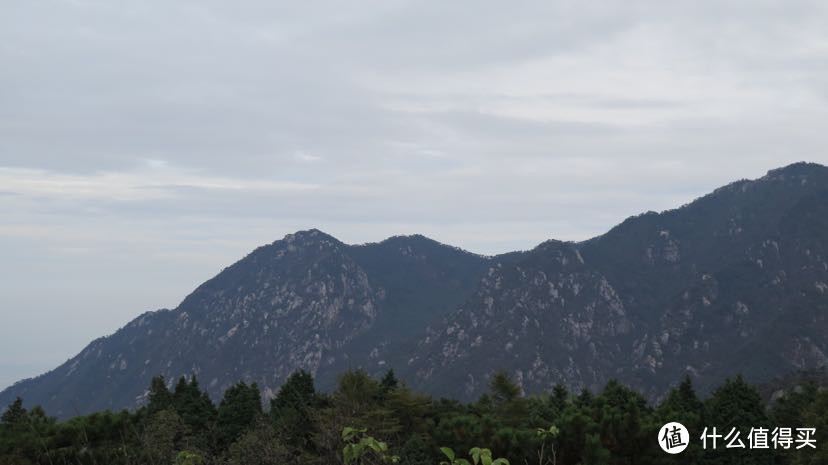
[(734, 282), (307, 301)]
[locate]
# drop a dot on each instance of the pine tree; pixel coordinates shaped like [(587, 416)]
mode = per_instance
[(620, 412), (736, 404), (503, 389), (389, 382), (15, 414), (297, 391), (195, 408), (584, 399), (410, 409), (682, 405), (685, 397), (292, 410), (238, 411), (594, 451), (160, 398), (559, 397)]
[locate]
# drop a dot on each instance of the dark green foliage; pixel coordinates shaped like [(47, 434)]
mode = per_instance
[(193, 406), (786, 410), (415, 451), (502, 389), (804, 405), (612, 427), (297, 392), (388, 383), (736, 404), (14, 415), (619, 413), (239, 409), (584, 398), (163, 436), (293, 408), (160, 398), (594, 452), (410, 409), (358, 399), (260, 445), (559, 397), (683, 406), (815, 415)]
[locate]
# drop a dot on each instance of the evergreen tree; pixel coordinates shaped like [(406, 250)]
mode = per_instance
[(15, 414), (619, 411), (388, 383), (160, 398), (738, 405), (292, 410), (559, 397), (195, 409), (615, 427), (410, 409), (594, 451), (684, 398), (575, 424), (297, 392), (584, 399), (503, 389), (682, 405), (238, 411)]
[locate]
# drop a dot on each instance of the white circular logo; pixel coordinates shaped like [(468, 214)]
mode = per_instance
[(673, 438)]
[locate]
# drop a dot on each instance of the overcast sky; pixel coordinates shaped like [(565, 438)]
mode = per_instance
[(146, 144)]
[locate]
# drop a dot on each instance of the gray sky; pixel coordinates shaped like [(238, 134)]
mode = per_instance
[(144, 145)]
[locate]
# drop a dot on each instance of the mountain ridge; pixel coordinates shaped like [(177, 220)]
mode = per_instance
[(635, 303)]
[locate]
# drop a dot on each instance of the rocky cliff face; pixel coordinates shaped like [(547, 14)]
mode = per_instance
[(733, 283), (305, 302), (547, 318), (736, 281)]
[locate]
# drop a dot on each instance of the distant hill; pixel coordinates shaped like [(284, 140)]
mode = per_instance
[(735, 282)]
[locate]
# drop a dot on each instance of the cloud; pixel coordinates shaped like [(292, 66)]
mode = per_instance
[(146, 145), (156, 183)]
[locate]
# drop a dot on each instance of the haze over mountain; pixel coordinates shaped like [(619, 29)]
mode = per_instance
[(736, 281)]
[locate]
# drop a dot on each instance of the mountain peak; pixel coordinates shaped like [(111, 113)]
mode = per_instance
[(310, 236), (801, 168), (411, 239)]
